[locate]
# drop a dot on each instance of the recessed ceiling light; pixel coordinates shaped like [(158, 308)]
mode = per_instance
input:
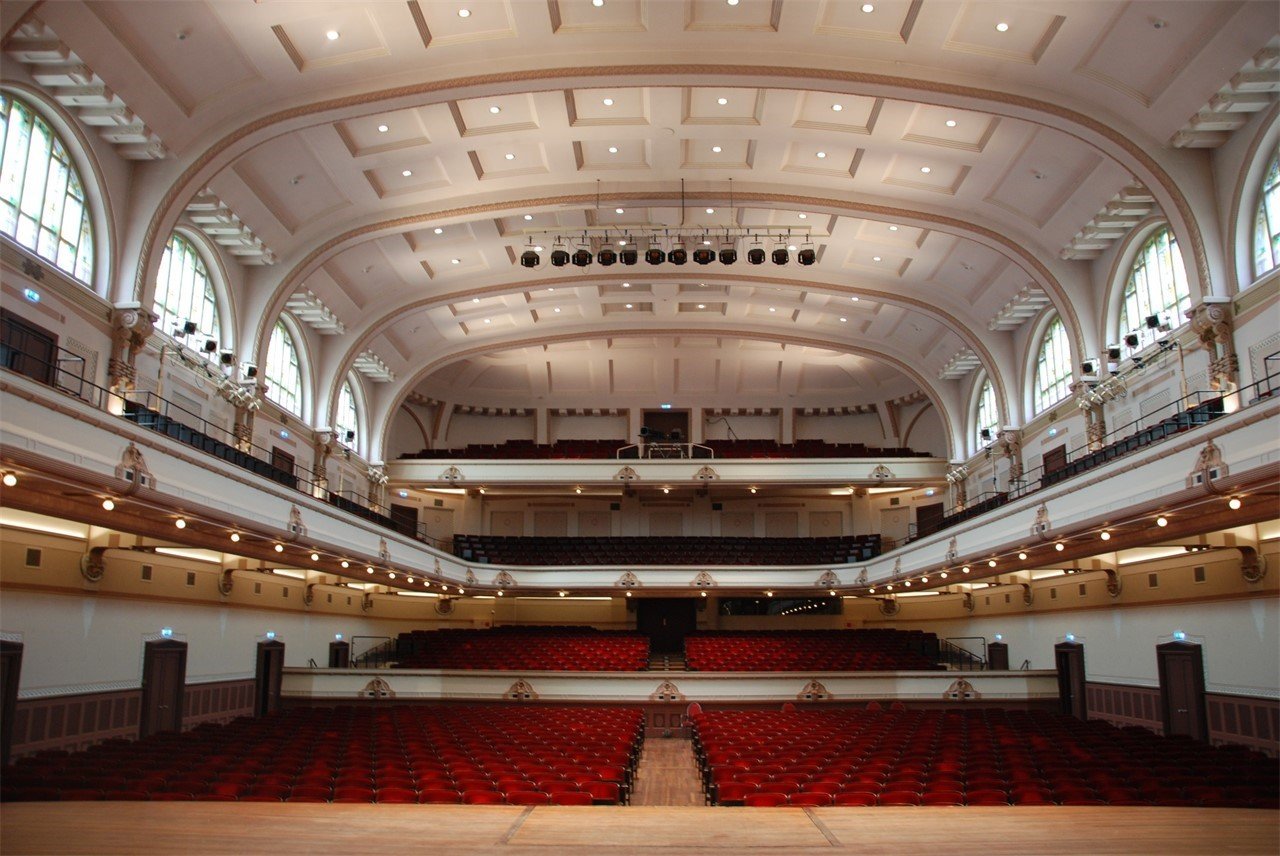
[(951, 123), (702, 306), (557, 309), (608, 102), (716, 149), (528, 216), (495, 109), (893, 228), (926, 170), (438, 230), (844, 320), (803, 216), (332, 35), (382, 129), (628, 305), (455, 261), (613, 150), (732, 2), (771, 309), (597, 3), (619, 211), (626, 285), (1002, 27), (822, 154), (867, 7), (722, 101), (406, 173), (509, 156), (855, 298), (464, 13), (475, 300), (711, 210), (791, 247), (875, 258), (488, 320)]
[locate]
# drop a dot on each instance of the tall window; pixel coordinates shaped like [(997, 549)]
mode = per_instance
[(1053, 367), (1157, 286), (988, 415), (1266, 231), (183, 290), (347, 420), (284, 375), (42, 200)]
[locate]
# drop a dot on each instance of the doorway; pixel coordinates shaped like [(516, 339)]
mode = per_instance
[(405, 518), (1069, 658), (665, 426), (27, 349), (666, 621), (267, 677), (1182, 704), (164, 679), (10, 671)]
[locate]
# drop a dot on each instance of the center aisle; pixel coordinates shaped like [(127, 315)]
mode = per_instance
[(667, 774)]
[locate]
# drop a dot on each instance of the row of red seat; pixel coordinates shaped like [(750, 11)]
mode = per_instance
[(496, 754), (825, 650), (572, 650), (665, 550), (594, 449), (972, 757)]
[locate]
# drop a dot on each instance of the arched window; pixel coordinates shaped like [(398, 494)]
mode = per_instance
[(1266, 230), (42, 199), (1053, 367), (347, 420), (1157, 286), (184, 291), (284, 374), (988, 415)]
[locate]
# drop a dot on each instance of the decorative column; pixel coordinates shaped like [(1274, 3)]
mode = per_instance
[(1010, 445), (322, 447), (377, 485), (957, 478), (131, 325), (242, 427), (1214, 325), (1090, 403)]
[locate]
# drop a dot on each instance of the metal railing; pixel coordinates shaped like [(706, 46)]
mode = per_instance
[(652, 451), (961, 656), (372, 651)]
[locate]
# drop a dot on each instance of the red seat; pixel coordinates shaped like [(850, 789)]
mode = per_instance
[(528, 798), (813, 799), (571, 798), (439, 796), (764, 800), (395, 795), (857, 798), (482, 798)]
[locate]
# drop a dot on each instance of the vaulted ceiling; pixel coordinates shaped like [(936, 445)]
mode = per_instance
[(380, 167)]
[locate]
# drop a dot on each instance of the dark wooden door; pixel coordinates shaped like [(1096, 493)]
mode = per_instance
[(1055, 459), (666, 621), (27, 349), (164, 679), (405, 518), (267, 677), (1069, 657), (929, 518), (10, 671), (1182, 704), (282, 460)]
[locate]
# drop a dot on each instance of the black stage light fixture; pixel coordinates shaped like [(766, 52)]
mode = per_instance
[(1088, 367), (582, 257), (210, 345), (530, 259), (781, 256), (986, 434), (704, 255), (1131, 340), (629, 256), (559, 255), (807, 255), (250, 370), (654, 256), (188, 327), (1113, 353), (607, 256), (226, 358), (1153, 321), (755, 255), (678, 255), (728, 255), (351, 435)]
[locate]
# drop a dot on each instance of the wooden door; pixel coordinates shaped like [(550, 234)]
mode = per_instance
[(10, 671), (1182, 704), (268, 676), (405, 518), (929, 518), (1055, 459), (1069, 657), (164, 678), (666, 621), (282, 460), (27, 349)]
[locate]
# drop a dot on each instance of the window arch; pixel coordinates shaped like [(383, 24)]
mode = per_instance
[(347, 420), (987, 416), (284, 371), (1157, 285), (1053, 368), (184, 291), (42, 197), (1266, 227)]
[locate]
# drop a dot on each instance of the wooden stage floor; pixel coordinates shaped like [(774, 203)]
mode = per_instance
[(300, 828)]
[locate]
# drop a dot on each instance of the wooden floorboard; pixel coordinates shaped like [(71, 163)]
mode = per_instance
[(284, 829), (667, 774)]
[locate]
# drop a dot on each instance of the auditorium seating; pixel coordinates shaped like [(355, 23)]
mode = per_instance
[(811, 650), (405, 754), (569, 649), (970, 757), (596, 449), (664, 550)]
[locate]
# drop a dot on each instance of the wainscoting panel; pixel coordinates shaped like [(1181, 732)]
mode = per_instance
[(217, 702), (1252, 722), (1123, 705)]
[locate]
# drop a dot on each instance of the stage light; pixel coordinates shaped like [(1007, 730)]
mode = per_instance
[(655, 256), (530, 259), (728, 255), (629, 256), (607, 256), (582, 258), (1234, 503), (807, 255), (704, 255), (559, 255), (756, 254), (678, 255), (781, 256)]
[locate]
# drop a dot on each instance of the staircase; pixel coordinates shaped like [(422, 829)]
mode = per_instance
[(667, 774), (666, 662)]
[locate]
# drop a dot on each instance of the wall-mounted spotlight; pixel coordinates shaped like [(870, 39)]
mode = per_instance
[(629, 256), (582, 257), (1089, 366), (1113, 353), (1131, 340), (728, 255), (559, 255), (350, 435), (249, 370), (187, 328), (756, 254), (985, 434), (1152, 322), (607, 256), (530, 259), (807, 255), (678, 255), (226, 358), (655, 256), (704, 255), (781, 256), (210, 345)]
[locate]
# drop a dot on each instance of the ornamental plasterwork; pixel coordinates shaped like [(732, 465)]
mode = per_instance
[(504, 579), (626, 474), (1209, 466), (881, 473), (703, 580), (133, 469), (451, 474), (667, 691), (706, 474), (813, 691), (828, 580), (521, 690), (628, 580)]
